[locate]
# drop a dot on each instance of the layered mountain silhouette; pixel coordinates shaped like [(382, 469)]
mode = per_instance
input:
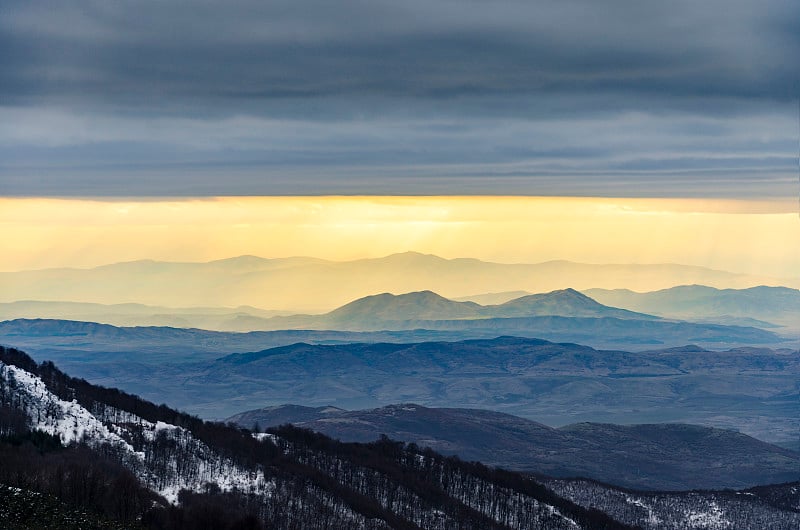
[(411, 306), (215, 318), (779, 305), (565, 302), (655, 456), (314, 285), (760, 307), (552, 382), (752, 389), (421, 309), (411, 347)]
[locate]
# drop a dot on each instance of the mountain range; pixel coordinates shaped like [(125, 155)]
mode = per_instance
[(752, 389), (563, 315), (656, 456), (765, 307), (314, 285), (131, 314), (776, 305), (76, 455), (136, 464), (419, 309)]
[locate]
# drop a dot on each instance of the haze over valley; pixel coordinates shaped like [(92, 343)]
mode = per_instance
[(315, 285), (684, 343)]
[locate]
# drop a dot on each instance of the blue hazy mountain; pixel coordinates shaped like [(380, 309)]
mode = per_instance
[(423, 305), (779, 305), (655, 456), (752, 389), (131, 314), (563, 302)]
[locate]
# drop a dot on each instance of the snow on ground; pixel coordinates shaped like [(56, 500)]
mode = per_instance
[(109, 426), (261, 436), (651, 516), (714, 518), (48, 413)]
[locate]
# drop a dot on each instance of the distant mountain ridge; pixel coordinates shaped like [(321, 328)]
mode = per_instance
[(657, 456), (564, 302), (368, 313), (759, 307), (281, 283), (133, 314), (418, 305), (772, 304), (389, 311)]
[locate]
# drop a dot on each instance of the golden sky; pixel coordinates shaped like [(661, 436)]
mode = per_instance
[(740, 236)]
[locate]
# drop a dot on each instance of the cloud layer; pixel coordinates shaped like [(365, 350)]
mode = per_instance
[(574, 97)]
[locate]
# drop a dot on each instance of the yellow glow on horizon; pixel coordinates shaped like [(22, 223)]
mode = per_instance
[(741, 236)]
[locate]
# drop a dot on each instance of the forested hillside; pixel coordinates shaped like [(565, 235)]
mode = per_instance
[(76, 455), (130, 460)]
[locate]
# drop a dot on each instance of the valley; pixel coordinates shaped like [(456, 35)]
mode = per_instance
[(603, 397), (168, 469)]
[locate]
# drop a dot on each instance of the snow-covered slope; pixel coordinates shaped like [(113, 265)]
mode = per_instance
[(295, 478), (290, 479), (701, 510), (135, 441)]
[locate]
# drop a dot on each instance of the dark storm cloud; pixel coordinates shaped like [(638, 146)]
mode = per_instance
[(255, 50), (92, 92)]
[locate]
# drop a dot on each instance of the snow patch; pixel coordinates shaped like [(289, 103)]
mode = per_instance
[(69, 421), (652, 518), (261, 436), (713, 518)]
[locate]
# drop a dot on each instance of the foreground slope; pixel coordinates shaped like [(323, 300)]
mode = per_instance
[(656, 456), (309, 481), (287, 479)]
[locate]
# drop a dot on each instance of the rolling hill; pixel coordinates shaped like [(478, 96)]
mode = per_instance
[(656, 456), (752, 389)]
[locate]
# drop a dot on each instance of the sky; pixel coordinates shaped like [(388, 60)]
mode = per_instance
[(194, 130), (740, 236), (621, 98)]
